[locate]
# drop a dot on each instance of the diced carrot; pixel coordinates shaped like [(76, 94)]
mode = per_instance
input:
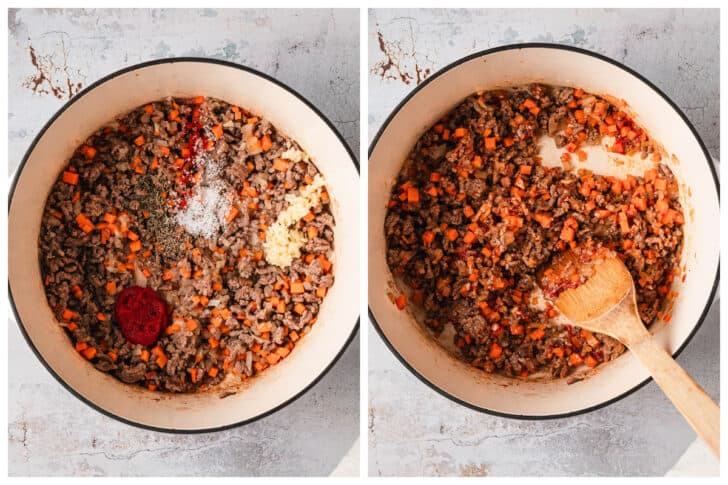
[(459, 132), (70, 178), (544, 219), (71, 326), (575, 359), (435, 177), (299, 308), (266, 143), (623, 223), (537, 334), (280, 165), (111, 287), (135, 246), (232, 214), (69, 314), (81, 346), (469, 237), (401, 302), (590, 361), (144, 356), (88, 151), (582, 155), (148, 109), (325, 263), (558, 351), (451, 234), (139, 141), (217, 131), (567, 234), (212, 371), (413, 195), (321, 292), (89, 353), (297, 288), (428, 237), (84, 223), (100, 317), (264, 327), (490, 143), (495, 351)]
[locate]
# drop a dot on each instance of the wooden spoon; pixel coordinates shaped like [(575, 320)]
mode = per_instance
[(606, 303)]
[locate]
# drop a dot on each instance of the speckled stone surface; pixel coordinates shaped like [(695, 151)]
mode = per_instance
[(316, 53), (415, 431)]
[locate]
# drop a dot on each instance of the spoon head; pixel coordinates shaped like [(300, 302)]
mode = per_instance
[(606, 287)]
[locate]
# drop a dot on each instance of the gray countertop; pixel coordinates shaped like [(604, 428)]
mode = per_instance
[(412, 429), (316, 53)]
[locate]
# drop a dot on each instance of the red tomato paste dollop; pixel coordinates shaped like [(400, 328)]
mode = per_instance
[(141, 314)]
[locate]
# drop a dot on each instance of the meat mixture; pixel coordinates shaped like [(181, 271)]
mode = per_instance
[(474, 215), (154, 251)]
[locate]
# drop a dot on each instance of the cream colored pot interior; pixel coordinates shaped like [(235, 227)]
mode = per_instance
[(116, 96), (558, 67)]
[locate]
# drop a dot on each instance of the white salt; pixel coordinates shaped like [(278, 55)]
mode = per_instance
[(211, 199)]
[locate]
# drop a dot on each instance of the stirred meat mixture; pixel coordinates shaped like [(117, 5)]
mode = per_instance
[(474, 215), (186, 242)]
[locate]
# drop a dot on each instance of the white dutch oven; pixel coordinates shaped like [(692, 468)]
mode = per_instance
[(118, 94), (556, 65)]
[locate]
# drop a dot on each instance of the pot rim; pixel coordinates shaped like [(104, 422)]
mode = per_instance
[(670, 102), (41, 133)]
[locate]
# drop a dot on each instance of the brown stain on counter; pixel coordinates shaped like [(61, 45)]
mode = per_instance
[(391, 66), (43, 80)]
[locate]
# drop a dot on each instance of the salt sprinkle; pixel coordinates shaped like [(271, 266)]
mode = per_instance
[(210, 201)]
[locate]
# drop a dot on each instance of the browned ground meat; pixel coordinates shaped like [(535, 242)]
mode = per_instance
[(109, 223), (474, 215)]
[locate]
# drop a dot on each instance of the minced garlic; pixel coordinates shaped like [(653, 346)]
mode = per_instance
[(283, 243)]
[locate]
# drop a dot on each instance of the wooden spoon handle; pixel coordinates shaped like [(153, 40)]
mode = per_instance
[(689, 398)]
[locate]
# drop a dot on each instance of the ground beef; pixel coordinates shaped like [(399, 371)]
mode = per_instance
[(109, 224), (474, 215)]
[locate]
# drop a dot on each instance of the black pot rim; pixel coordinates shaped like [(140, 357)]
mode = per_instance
[(544, 45), (68, 104)]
